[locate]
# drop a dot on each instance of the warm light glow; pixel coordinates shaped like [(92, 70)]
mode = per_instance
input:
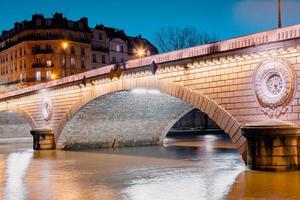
[(53, 76), (141, 52), (145, 91), (65, 45)]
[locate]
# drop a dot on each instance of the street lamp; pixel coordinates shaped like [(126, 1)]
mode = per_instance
[(140, 52), (65, 46), (53, 76)]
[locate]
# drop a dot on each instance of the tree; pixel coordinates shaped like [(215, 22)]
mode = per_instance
[(175, 38)]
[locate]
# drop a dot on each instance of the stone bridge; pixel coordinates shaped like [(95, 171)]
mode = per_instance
[(246, 80)]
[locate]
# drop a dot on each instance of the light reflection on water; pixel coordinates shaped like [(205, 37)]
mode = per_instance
[(17, 165), (207, 168)]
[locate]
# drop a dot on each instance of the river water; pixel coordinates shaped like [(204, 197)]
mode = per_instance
[(207, 167)]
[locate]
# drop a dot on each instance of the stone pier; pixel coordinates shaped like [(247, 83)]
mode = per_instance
[(273, 145), (43, 139)]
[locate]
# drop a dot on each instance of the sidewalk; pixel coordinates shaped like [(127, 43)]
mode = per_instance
[(20, 140)]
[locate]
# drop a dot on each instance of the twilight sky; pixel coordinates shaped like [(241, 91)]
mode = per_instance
[(225, 18)]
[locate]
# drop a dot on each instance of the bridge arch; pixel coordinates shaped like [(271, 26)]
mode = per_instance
[(22, 113), (15, 123), (194, 98)]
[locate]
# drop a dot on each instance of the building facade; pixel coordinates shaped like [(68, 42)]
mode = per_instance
[(110, 46), (33, 51)]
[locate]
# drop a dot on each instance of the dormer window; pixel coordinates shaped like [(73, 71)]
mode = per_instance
[(80, 25), (119, 48), (48, 22), (70, 24), (38, 22)]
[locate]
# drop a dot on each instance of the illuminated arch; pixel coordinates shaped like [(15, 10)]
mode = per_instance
[(206, 105)]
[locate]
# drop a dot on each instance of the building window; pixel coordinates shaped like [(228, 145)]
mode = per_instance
[(82, 51), (148, 53), (100, 36), (63, 61), (37, 47), (48, 75), (38, 35), (38, 61), (48, 46), (82, 64), (73, 62), (80, 25), (94, 58), (21, 77), (49, 34), (38, 22), (48, 22), (72, 50), (114, 60), (49, 63), (71, 37), (80, 36), (38, 76), (103, 59), (70, 23), (118, 47)]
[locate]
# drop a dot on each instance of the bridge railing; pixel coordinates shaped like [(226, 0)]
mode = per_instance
[(231, 44)]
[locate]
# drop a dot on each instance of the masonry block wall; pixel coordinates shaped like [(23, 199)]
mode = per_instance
[(13, 126)]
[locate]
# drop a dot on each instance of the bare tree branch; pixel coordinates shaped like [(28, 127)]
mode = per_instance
[(174, 38)]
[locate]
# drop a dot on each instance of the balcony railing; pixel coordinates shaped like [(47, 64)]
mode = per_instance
[(9, 44), (42, 51), (41, 65), (103, 49)]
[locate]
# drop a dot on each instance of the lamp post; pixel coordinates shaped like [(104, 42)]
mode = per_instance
[(65, 46), (279, 14)]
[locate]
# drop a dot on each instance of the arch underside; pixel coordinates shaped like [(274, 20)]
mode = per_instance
[(126, 118), (182, 94), (13, 125)]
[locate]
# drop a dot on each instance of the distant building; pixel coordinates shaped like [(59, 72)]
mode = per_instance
[(32, 51), (110, 46)]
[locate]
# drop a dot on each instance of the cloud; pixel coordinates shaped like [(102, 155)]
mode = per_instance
[(264, 12)]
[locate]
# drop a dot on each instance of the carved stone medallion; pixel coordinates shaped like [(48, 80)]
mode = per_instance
[(47, 108), (274, 86)]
